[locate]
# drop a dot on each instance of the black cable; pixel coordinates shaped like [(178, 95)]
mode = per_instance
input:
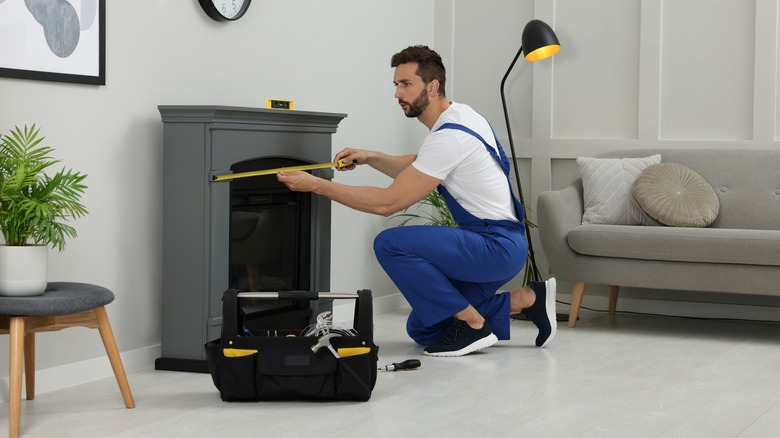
[(628, 312)]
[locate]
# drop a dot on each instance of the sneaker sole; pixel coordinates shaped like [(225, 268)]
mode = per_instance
[(485, 342), (549, 304)]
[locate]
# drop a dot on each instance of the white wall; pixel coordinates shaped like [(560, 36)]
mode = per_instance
[(326, 55)]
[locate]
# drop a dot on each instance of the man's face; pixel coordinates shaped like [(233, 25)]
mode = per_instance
[(410, 90)]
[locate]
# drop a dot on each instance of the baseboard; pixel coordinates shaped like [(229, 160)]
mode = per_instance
[(91, 370), (344, 310), (690, 309)]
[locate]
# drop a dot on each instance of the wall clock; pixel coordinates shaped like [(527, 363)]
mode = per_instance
[(225, 10)]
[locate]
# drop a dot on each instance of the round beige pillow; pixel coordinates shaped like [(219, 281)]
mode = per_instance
[(677, 196)]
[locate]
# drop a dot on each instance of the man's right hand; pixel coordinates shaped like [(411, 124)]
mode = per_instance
[(390, 165), (354, 156)]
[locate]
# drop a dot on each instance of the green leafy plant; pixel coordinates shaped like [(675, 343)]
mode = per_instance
[(34, 205), (433, 210)]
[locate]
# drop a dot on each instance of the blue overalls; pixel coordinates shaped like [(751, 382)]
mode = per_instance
[(441, 270)]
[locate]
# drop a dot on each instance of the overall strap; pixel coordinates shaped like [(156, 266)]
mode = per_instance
[(499, 156)]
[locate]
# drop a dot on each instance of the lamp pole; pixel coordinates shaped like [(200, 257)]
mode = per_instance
[(532, 273), (540, 42)]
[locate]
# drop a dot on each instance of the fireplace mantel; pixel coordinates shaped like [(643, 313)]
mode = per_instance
[(200, 141), (273, 118)]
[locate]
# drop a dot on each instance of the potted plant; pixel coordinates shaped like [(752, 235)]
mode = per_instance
[(34, 208)]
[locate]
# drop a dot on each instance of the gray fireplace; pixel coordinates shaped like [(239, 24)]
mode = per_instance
[(249, 233)]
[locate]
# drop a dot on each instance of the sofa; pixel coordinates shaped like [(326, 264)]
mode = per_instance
[(739, 252)]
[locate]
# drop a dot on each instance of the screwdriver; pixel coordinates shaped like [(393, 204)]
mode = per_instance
[(408, 364)]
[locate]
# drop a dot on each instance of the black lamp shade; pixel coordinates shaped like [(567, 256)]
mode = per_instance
[(539, 41)]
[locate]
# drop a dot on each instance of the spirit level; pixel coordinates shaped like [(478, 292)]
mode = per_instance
[(279, 104)]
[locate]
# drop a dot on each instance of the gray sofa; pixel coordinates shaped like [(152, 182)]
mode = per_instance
[(738, 253)]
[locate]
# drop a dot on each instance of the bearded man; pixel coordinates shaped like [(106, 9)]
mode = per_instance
[(449, 275)]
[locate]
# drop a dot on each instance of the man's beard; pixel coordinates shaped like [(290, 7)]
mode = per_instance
[(418, 106)]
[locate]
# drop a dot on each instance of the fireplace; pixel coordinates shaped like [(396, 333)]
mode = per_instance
[(250, 234)]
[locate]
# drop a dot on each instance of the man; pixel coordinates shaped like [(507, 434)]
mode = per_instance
[(448, 275)]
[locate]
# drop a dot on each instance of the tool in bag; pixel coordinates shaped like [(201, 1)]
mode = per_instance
[(325, 325), (276, 363)]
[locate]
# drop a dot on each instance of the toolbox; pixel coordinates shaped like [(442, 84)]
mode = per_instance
[(251, 362)]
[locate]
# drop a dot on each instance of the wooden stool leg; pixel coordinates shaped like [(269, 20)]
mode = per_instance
[(29, 364), (16, 331), (577, 292), (113, 356)]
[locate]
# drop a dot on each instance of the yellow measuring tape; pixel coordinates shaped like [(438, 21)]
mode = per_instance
[(337, 164)]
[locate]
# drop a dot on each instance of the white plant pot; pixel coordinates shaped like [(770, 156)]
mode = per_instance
[(23, 270)]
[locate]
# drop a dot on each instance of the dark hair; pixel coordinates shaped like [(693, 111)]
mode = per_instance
[(429, 64)]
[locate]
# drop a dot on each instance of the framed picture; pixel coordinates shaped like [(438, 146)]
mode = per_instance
[(53, 40)]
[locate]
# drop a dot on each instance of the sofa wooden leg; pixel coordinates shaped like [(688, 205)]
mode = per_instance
[(613, 295), (577, 292)]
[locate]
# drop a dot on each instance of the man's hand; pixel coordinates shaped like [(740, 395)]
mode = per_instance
[(410, 186), (299, 181), (390, 165), (354, 156)]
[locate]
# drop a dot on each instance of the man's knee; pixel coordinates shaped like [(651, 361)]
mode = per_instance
[(383, 243)]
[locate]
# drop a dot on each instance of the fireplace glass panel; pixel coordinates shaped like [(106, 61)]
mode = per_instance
[(270, 231), (270, 245)]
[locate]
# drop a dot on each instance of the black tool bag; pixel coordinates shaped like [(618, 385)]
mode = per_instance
[(277, 363)]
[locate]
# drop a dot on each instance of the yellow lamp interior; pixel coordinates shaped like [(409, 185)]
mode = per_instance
[(543, 52)]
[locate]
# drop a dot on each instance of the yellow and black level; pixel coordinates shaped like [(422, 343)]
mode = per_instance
[(279, 104)]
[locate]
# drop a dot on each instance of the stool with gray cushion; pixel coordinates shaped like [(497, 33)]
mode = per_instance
[(63, 305)]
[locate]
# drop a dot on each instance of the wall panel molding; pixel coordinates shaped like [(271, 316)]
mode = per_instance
[(707, 70)]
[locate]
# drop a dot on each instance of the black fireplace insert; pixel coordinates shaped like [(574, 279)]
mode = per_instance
[(270, 243)]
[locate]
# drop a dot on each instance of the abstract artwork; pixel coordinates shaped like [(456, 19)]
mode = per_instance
[(53, 40)]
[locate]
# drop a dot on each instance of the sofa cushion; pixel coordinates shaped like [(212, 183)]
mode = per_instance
[(607, 190), (678, 244), (746, 180), (677, 196)]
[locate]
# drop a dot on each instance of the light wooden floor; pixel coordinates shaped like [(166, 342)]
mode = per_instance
[(627, 376)]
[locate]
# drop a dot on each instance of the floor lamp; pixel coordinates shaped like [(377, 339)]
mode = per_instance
[(539, 42)]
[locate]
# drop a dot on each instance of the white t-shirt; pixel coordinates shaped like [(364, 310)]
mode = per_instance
[(471, 175)]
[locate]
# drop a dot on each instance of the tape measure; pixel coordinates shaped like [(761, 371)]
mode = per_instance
[(337, 164)]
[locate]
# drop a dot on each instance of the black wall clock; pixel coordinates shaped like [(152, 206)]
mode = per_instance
[(225, 10)]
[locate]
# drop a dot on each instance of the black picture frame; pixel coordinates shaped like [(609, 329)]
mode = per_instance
[(66, 71)]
